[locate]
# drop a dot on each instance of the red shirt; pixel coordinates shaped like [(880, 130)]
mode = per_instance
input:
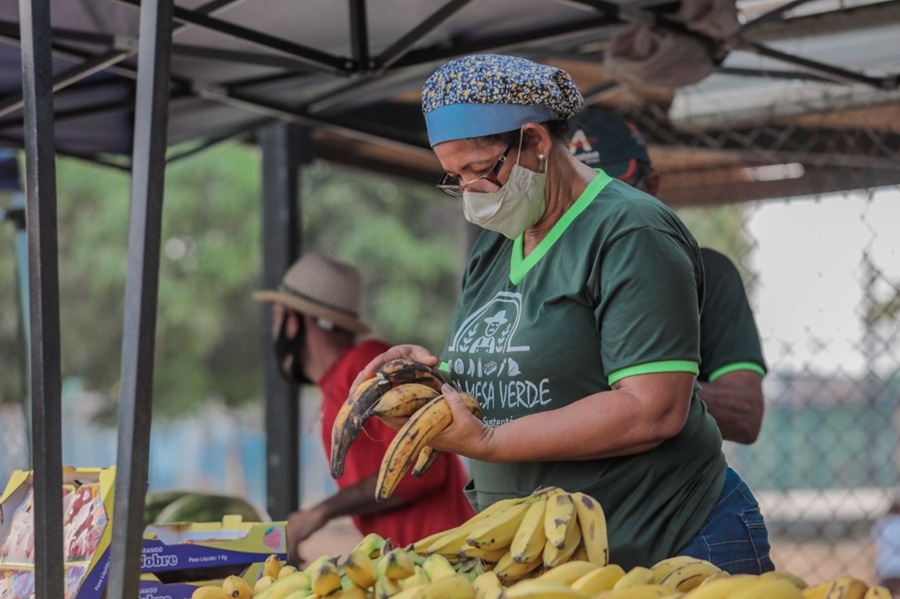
[(437, 499)]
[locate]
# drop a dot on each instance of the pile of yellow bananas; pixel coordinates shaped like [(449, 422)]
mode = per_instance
[(368, 572), (235, 587), (400, 388), (518, 536), (549, 545)]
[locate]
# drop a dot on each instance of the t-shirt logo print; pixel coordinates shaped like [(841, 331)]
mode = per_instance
[(490, 329)]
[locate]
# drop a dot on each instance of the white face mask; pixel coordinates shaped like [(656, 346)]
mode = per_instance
[(513, 208)]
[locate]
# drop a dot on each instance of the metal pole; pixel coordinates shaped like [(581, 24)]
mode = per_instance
[(136, 402), (46, 384), (282, 146), (18, 209), (10, 181)]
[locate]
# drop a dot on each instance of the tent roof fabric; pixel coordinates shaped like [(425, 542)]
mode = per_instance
[(353, 71)]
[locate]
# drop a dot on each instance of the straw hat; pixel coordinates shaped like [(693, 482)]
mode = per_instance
[(321, 286)]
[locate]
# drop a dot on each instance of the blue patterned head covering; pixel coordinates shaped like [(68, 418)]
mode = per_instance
[(485, 94)]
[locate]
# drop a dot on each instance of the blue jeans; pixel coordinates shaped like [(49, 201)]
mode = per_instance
[(734, 537)]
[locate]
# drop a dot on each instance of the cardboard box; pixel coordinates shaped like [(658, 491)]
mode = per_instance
[(154, 588), (191, 545), (177, 555), (87, 514)]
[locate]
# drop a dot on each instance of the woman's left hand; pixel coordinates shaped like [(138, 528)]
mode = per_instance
[(466, 435)]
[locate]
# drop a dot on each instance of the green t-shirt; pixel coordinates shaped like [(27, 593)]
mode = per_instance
[(729, 339), (611, 291)]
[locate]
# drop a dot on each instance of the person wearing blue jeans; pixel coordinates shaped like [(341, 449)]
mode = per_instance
[(734, 536)]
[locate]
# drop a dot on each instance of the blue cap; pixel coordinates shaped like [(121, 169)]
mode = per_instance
[(603, 139), (485, 94)]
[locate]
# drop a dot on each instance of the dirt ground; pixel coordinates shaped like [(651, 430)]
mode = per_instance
[(814, 562), (336, 538)]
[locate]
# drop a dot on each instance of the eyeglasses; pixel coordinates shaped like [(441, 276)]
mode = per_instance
[(453, 185)]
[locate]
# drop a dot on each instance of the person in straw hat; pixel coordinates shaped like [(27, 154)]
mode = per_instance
[(732, 365), (593, 386), (316, 316)]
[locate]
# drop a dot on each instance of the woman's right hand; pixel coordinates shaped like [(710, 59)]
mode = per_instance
[(413, 352)]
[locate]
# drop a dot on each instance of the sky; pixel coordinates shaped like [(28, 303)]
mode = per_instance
[(809, 298)]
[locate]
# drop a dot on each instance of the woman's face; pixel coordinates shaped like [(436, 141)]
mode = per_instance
[(477, 166)]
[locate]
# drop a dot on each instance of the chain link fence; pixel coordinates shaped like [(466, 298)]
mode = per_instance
[(808, 207)]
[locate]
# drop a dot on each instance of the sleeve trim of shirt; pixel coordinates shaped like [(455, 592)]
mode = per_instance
[(654, 368), (752, 366)]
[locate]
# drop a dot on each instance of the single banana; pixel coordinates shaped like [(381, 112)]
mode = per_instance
[(427, 457), (635, 576), (403, 400), (324, 575), (237, 587), (581, 554), (510, 571), (542, 589), (553, 556), (785, 575), (716, 587), (386, 587), (371, 544), (406, 370), (359, 567), (272, 566), (437, 566), (485, 556), (285, 570), (638, 591), (414, 435), (559, 518), (453, 587), (498, 531), (262, 583), (688, 576), (817, 591), (347, 592), (487, 585), (418, 578), (396, 564), (351, 418), (598, 580), (592, 521), (528, 542), (663, 567), (847, 587), (210, 592), (298, 582), (568, 572), (769, 589), (450, 541), (877, 592), (450, 587)]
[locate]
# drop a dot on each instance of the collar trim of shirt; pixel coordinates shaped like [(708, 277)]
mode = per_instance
[(520, 266)]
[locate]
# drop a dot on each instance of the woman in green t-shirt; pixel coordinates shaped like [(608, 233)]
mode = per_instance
[(577, 327)]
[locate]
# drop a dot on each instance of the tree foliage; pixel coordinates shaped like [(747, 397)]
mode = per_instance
[(402, 236)]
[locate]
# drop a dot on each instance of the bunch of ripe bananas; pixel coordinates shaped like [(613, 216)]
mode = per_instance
[(374, 568), (520, 536), (400, 388), (236, 587), (521, 549)]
